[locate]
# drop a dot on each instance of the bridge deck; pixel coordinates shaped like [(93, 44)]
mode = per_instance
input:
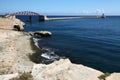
[(25, 13)]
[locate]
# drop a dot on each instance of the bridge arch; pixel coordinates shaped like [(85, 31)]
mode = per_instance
[(28, 13)]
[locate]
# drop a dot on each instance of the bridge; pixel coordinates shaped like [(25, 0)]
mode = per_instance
[(44, 18), (28, 13), (25, 13)]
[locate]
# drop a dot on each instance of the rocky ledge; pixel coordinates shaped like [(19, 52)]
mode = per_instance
[(15, 48), (15, 63), (11, 22)]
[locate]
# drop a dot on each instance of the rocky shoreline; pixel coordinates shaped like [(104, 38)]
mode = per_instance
[(16, 49)]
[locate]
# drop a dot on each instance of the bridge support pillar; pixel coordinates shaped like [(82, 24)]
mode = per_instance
[(30, 18), (41, 18)]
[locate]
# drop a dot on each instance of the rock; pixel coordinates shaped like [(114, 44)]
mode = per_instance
[(64, 70), (42, 34), (8, 76), (15, 50), (11, 22), (114, 76)]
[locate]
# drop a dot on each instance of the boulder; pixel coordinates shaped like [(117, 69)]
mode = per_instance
[(42, 34), (64, 70)]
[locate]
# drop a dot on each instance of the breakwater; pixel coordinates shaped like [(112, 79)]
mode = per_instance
[(68, 18)]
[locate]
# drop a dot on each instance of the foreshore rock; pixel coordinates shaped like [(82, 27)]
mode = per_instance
[(15, 48), (11, 23), (64, 70), (40, 34)]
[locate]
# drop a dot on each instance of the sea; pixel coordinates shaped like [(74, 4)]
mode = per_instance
[(92, 42)]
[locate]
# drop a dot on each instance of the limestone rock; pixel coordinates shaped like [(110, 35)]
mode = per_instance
[(15, 50), (11, 23), (114, 76), (42, 34), (64, 70)]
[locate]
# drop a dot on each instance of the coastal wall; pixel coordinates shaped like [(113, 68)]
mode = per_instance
[(15, 48)]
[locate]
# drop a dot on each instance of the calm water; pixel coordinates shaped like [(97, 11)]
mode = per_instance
[(91, 42)]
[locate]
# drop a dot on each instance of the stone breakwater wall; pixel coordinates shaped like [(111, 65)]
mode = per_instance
[(11, 23)]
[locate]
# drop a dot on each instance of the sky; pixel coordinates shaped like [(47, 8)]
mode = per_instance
[(63, 7)]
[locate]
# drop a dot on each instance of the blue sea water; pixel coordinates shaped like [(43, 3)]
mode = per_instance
[(91, 42)]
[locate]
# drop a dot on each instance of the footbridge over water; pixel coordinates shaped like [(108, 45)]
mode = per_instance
[(44, 18), (28, 13)]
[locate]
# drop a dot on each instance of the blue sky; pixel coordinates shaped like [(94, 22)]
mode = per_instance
[(49, 7)]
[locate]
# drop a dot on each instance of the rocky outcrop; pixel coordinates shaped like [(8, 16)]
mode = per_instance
[(40, 34), (15, 48), (59, 70), (11, 22), (64, 70)]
